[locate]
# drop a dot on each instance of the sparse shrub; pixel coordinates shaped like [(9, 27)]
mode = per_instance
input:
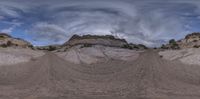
[(127, 46), (196, 46), (86, 45), (110, 36), (4, 45), (1, 36), (173, 44), (136, 47), (172, 41), (31, 46), (163, 46), (9, 43), (142, 46), (195, 41), (51, 48)]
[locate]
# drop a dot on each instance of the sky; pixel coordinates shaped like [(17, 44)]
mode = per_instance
[(148, 22)]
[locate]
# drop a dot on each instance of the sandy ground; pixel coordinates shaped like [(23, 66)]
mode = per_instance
[(97, 54), (147, 77), (189, 56), (9, 56)]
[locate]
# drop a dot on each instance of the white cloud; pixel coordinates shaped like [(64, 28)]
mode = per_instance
[(7, 30), (2, 17), (149, 22), (12, 25), (43, 31)]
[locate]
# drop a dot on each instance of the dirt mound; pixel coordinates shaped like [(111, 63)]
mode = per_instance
[(96, 54), (10, 56)]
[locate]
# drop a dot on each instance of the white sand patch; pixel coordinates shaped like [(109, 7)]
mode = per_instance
[(95, 54), (187, 56), (10, 56), (192, 59)]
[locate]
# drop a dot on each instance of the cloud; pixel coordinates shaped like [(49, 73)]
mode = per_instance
[(47, 32), (1, 17), (7, 30), (150, 22), (11, 26)]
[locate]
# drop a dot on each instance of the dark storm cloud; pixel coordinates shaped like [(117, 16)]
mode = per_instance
[(149, 22)]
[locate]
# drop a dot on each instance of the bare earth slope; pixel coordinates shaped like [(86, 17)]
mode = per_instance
[(189, 56), (148, 77), (97, 54)]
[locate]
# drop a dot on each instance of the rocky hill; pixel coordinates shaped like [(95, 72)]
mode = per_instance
[(190, 41), (107, 40), (9, 41), (92, 40)]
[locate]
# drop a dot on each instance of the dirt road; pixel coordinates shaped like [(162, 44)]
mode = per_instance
[(148, 77)]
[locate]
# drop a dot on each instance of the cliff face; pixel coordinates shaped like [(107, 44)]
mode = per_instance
[(91, 41), (190, 41), (8, 41), (107, 40)]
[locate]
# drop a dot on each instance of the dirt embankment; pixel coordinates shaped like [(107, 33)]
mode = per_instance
[(190, 56), (9, 56), (147, 77), (97, 54)]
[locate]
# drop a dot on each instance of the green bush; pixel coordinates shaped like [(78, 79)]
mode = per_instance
[(51, 48), (196, 46), (3, 45), (195, 41), (127, 46), (86, 45), (9, 43), (172, 41), (142, 46), (163, 46), (173, 44)]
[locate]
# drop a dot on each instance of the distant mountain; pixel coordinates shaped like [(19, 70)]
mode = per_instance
[(103, 40), (92, 40), (190, 41), (9, 41)]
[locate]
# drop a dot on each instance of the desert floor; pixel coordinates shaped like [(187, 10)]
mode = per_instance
[(147, 77)]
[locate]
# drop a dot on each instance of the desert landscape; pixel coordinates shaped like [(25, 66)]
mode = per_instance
[(99, 49), (108, 68)]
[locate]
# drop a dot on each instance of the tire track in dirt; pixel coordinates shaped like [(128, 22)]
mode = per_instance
[(148, 77)]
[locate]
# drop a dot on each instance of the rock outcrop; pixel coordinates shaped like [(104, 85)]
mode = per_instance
[(188, 53), (97, 54), (106, 40), (9, 41), (92, 41), (92, 49), (190, 41)]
